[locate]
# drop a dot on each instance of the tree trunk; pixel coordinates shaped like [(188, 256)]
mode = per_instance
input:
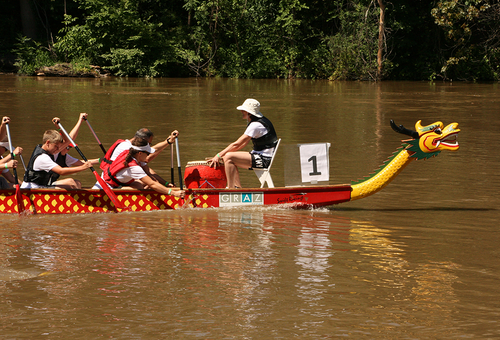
[(381, 38), (28, 19)]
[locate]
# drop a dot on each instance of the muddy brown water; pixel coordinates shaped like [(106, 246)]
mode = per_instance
[(417, 260)]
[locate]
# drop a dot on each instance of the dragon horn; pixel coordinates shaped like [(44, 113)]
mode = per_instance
[(401, 129)]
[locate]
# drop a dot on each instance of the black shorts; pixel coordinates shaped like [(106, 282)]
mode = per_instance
[(259, 161), (3, 183)]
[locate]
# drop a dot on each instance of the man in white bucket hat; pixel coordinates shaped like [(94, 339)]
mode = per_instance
[(261, 132)]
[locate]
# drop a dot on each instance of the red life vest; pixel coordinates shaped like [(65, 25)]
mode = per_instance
[(106, 160), (115, 167)]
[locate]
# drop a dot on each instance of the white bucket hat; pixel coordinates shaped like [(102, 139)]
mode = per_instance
[(146, 148), (251, 106)]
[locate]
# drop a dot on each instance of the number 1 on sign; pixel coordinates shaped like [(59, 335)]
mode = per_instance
[(315, 155), (315, 166)]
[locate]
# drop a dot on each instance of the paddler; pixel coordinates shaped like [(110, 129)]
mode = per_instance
[(7, 180), (3, 127), (125, 144), (62, 158), (126, 170), (42, 170), (261, 132)]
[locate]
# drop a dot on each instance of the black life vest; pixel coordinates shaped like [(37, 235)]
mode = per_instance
[(40, 177), (106, 160), (115, 167), (61, 160), (269, 140)]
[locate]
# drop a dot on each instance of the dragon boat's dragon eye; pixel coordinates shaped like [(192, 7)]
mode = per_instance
[(436, 137)]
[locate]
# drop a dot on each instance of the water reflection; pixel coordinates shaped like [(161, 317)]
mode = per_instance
[(418, 283), (417, 260), (314, 251), (254, 269)]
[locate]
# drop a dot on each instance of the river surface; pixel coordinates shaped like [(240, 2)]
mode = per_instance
[(418, 260)]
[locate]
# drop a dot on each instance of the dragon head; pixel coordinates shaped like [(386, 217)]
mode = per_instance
[(429, 140)]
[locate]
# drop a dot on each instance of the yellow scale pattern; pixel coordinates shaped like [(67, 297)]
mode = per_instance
[(384, 177)]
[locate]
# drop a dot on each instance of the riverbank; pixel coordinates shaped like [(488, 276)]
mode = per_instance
[(70, 70), (7, 66)]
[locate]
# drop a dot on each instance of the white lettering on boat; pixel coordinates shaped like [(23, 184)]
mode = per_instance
[(229, 199)]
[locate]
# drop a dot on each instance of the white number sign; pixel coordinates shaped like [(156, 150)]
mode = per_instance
[(314, 162)]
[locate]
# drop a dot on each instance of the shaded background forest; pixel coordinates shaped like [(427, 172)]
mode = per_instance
[(336, 39)]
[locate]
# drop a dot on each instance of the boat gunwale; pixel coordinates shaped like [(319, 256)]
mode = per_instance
[(311, 188)]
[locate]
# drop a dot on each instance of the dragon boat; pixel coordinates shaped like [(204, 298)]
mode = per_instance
[(425, 142)]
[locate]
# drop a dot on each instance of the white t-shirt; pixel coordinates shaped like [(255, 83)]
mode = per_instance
[(45, 163), (125, 145), (256, 130), (133, 172)]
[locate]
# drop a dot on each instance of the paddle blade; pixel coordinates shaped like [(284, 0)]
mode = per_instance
[(19, 199), (109, 192)]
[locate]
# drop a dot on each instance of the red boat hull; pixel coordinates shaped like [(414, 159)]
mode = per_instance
[(50, 201)]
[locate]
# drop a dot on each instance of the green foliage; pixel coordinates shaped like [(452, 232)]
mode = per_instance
[(350, 53), (471, 50), (116, 36), (336, 40), (124, 62), (76, 41), (31, 56), (81, 66), (457, 17)]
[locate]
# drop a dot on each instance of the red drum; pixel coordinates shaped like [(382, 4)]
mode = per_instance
[(199, 175)]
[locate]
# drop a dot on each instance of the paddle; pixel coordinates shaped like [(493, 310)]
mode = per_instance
[(172, 163), (19, 197), (93, 132), (103, 184), (178, 161), (22, 160)]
